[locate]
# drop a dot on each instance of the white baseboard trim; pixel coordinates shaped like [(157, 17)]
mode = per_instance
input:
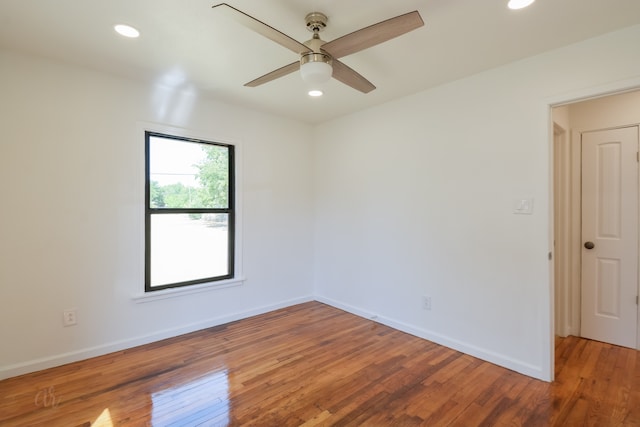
[(89, 352), (472, 350)]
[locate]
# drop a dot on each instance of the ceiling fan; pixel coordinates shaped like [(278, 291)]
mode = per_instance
[(318, 60)]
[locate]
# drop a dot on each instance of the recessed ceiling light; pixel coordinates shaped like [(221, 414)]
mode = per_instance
[(519, 4), (315, 93), (127, 31)]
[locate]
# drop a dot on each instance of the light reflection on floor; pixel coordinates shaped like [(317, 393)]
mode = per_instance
[(204, 400), (104, 420)]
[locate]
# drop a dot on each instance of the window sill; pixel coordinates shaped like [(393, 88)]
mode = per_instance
[(187, 290)]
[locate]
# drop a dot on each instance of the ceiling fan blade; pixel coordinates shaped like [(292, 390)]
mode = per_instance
[(373, 35), (261, 28), (280, 72), (348, 76)]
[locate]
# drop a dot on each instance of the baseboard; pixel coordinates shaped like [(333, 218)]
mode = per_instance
[(472, 350), (86, 353)]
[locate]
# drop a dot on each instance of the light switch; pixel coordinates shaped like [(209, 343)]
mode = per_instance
[(523, 206)]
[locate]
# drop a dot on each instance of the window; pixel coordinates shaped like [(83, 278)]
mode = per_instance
[(190, 217)]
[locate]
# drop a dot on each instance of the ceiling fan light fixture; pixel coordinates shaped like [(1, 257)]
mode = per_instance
[(315, 68), (519, 4)]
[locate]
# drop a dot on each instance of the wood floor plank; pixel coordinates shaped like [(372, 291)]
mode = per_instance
[(314, 365)]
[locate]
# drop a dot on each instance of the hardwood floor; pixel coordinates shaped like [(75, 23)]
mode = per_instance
[(314, 365)]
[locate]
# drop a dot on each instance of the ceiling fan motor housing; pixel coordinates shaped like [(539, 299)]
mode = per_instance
[(308, 57)]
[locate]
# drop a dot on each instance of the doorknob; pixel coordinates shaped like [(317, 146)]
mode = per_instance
[(589, 245)]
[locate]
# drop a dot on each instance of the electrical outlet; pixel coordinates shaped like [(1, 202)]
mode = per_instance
[(70, 317), (426, 302)]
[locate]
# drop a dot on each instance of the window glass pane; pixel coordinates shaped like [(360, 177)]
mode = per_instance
[(187, 247), (185, 174)]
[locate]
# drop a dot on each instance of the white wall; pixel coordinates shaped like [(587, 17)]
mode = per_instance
[(72, 212), (415, 198)]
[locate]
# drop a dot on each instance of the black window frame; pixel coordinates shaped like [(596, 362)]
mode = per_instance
[(150, 211)]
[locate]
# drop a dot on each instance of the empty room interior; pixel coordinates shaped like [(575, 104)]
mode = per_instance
[(319, 213)]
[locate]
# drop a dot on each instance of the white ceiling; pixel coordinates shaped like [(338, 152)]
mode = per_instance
[(186, 44)]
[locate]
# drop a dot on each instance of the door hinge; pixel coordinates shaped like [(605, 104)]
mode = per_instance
[(637, 156), (636, 299)]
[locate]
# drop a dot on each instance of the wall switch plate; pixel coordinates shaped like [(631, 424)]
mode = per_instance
[(523, 206), (70, 317), (426, 302)]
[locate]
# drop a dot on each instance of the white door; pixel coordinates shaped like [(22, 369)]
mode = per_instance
[(610, 236)]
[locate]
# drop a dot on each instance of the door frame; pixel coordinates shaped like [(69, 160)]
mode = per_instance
[(568, 98), (567, 233)]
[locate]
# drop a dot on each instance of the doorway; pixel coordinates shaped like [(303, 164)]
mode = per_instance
[(604, 299)]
